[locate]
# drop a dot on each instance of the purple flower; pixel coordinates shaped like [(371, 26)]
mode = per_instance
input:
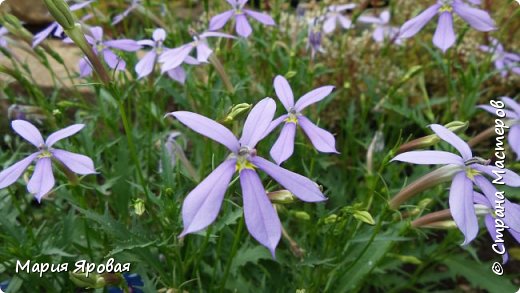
[(3, 39), (54, 28), (172, 58), (512, 112), (133, 6), (383, 29), (201, 206), (444, 36), (511, 218), (504, 61), (42, 179), (243, 28), (104, 48), (471, 170), (314, 38), (322, 140), (334, 16)]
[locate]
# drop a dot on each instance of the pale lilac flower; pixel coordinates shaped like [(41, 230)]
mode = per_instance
[(334, 16), (172, 58), (133, 6), (42, 180), (315, 37), (511, 219), (471, 171), (104, 48), (54, 28), (444, 36), (242, 26), (512, 112), (321, 139), (383, 30), (3, 39), (201, 206), (504, 61)]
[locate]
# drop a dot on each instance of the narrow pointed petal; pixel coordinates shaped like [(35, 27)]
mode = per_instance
[(80, 5), (63, 133), (344, 7), (284, 146), (145, 66), (414, 25), (97, 33), (85, 69), (178, 74), (275, 124), (203, 52), (173, 58), (509, 114), (329, 25), (301, 186), (486, 187), (77, 163), (42, 180), (462, 208), (212, 34), (313, 96), (218, 21), (511, 104), (28, 131), (510, 178), (345, 22), (429, 158), (261, 219), (490, 226), (208, 128), (9, 175), (512, 215), (257, 122), (201, 206), (379, 34), (284, 92), (146, 43), (481, 199), (113, 61), (451, 138), (41, 36), (444, 36), (263, 18), (514, 140), (159, 35), (476, 18), (320, 138), (369, 19), (123, 45), (243, 27)]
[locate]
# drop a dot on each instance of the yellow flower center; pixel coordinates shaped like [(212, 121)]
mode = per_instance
[(446, 8)]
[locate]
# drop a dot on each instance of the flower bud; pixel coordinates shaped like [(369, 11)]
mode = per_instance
[(93, 281), (281, 197), (364, 217), (331, 219), (139, 207), (429, 140), (61, 12), (301, 215), (237, 110)]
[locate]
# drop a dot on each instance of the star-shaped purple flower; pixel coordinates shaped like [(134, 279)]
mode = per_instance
[(243, 28), (42, 179), (504, 61), (172, 58), (334, 16), (104, 48), (315, 37), (321, 139), (133, 6), (444, 36), (55, 28), (470, 174), (383, 31), (201, 206), (512, 111)]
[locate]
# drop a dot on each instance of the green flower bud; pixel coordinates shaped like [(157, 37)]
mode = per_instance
[(93, 281), (139, 207), (429, 140), (364, 217), (61, 12), (237, 110), (301, 215), (281, 196), (290, 74), (331, 219)]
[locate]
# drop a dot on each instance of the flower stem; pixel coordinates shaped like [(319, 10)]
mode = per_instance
[(234, 249), (222, 73)]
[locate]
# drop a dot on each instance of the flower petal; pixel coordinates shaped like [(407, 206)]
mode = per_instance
[(243, 27), (284, 146), (345, 22), (145, 66), (274, 124), (490, 226), (462, 208), (509, 114), (85, 69), (429, 158), (211, 34), (301, 186), (39, 37), (203, 51), (28, 131), (284, 92), (261, 219), (201, 206), (218, 21), (414, 25), (174, 57), (79, 164), (123, 45), (208, 128), (113, 61), (257, 122), (159, 35), (451, 138), (313, 96), (329, 25), (63, 133), (42, 180), (321, 139), (263, 18), (476, 18), (444, 36), (514, 140), (178, 74), (9, 175), (507, 176), (511, 104)]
